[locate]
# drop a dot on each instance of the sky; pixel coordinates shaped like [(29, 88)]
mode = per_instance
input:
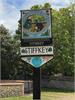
[(10, 10)]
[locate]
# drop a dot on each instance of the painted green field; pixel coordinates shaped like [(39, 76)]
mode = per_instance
[(47, 95)]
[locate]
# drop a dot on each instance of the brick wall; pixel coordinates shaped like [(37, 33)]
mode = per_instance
[(9, 88)]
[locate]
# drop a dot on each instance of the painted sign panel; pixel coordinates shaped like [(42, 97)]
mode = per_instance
[(37, 61), (36, 23), (36, 42), (37, 50)]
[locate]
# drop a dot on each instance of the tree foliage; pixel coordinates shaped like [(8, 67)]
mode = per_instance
[(12, 67), (8, 53)]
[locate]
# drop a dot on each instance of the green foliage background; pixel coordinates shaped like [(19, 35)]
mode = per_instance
[(12, 67)]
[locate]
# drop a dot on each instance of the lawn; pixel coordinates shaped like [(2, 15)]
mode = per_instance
[(47, 94)]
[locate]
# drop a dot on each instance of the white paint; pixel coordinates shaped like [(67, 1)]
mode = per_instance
[(38, 50), (45, 59)]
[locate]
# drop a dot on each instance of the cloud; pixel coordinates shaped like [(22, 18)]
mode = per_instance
[(30, 3), (60, 3), (1, 7), (9, 15), (10, 10)]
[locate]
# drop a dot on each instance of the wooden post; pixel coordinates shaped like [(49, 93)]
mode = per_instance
[(36, 84)]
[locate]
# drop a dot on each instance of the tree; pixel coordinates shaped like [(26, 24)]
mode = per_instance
[(12, 67), (4, 44), (46, 6), (36, 7), (62, 29), (9, 54), (63, 41)]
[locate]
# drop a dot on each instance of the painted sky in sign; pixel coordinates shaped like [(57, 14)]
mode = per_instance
[(10, 10)]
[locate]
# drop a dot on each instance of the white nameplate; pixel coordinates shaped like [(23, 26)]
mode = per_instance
[(38, 50)]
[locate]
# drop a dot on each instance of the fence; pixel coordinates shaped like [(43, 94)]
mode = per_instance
[(66, 83)]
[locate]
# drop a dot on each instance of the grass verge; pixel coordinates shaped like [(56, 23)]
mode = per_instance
[(47, 94)]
